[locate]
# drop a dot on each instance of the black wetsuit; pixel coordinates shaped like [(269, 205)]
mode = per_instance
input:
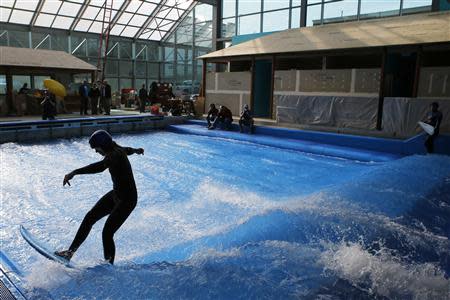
[(434, 119), (118, 203)]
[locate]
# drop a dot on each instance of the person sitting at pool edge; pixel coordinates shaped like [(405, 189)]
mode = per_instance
[(224, 119), (246, 120), (434, 118), (212, 114)]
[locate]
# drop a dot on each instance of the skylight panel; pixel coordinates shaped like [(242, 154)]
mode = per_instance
[(90, 12), (147, 8), (145, 36), (83, 25), (156, 36), (44, 20), (62, 22), (51, 6), (4, 14), (116, 4), (174, 14), (26, 4), (138, 20), (184, 4), (69, 9), (130, 31), (98, 3), (117, 29), (107, 12), (96, 27), (133, 6), (21, 16), (124, 18), (7, 3)]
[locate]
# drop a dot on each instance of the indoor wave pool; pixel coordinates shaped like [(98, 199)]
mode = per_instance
[(224, 219)]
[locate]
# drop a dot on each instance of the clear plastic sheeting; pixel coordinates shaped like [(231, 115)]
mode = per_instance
[(400, 115), (332, 111)]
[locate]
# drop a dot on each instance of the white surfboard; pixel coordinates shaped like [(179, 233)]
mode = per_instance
[(427, 128), (42, 249)]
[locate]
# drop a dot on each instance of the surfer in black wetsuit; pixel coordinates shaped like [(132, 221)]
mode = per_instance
[(117, 203), (434, 118)]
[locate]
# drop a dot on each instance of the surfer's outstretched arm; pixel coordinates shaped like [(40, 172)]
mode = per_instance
[(97, 167), (130, 151)]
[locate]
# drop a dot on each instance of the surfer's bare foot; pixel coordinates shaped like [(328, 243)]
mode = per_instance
[(66, 254)]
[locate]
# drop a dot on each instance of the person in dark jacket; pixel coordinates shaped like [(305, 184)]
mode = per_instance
[(117, 204), (106, 97), (224, 119), (94, 94), (83, 91), (48, 106), (212, 114), (143, 94), (246, 119), (434, 118)]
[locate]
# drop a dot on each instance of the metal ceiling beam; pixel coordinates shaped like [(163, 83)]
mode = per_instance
[(178, 22), (150, 18), (120, 12), (79, 15), (36, 13)]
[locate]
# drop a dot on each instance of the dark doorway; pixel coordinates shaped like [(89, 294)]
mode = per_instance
[(399, 74), (262, 88)]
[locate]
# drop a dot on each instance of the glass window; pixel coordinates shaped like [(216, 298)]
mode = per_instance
[(154, 52), (313, 15), (113, 49), (141, 69), (114, 83), (228, 8), (168, 54), (18, 39), (228, 27), (141, 51), (40, 40), (168, 70), (92, 47), (112, 67), (275, 4), (125, 50), (60, 42), (249, 24), (345, 10), (139, 82), (414, 6), (180, 71), (125, 83), (203, 31), (276, 20), (295, 18), (78, 46), (153, 70), (39, 81), (249, 6), (203, 12), (380, 8), (19, 80), (2, 84), (126, 68), (181, 54)]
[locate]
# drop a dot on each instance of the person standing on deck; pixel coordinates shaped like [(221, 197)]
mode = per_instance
[(434, 118), (117, 204)]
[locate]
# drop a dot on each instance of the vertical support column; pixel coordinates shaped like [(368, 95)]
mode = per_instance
[(252, 84), (417, 72), (203, 90), (272, 84), (303, 13), (9, 92), (381, 91), (30, 40), (435, 5)]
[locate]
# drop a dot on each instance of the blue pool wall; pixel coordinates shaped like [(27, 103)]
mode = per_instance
[(385, 148)]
